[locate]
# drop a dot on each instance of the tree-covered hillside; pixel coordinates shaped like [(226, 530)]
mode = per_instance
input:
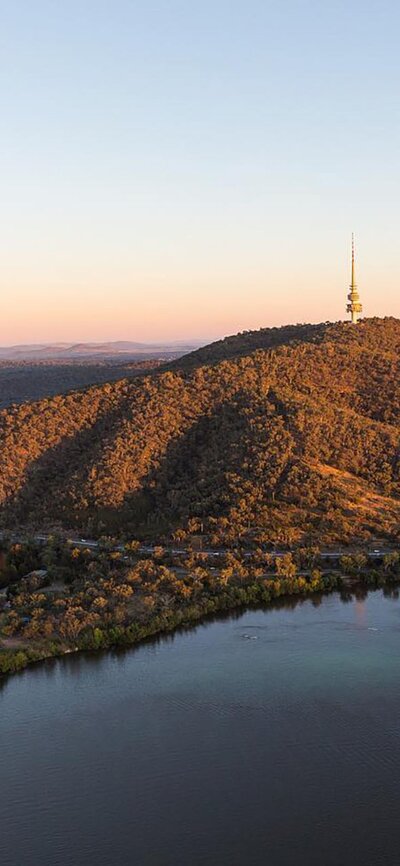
[(248, 341), (293, 437)]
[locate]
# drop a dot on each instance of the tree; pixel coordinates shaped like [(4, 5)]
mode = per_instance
[(391, 561), (285, 566)]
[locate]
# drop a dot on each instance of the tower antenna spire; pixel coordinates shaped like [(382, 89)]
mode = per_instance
[(354, 307)]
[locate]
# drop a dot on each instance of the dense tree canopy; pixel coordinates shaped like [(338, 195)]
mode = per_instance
[(277, 436)]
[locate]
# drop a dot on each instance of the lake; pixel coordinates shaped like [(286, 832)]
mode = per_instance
[(269, 738)]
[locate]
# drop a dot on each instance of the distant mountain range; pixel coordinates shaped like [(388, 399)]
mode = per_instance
[(125, 348)]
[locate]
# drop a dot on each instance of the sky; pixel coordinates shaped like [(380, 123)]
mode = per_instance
[(176, 170)]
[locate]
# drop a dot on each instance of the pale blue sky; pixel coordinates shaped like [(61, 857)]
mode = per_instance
[(180, 169)]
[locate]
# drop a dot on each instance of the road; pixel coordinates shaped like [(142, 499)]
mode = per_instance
[(80, 541)]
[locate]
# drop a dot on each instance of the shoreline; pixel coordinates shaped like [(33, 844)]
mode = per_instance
[(124, 637)]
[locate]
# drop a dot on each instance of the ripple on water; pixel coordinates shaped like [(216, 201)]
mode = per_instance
[(212, 748)]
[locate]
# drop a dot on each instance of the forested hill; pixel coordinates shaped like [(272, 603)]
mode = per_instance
[(249, 341), (287, 441)]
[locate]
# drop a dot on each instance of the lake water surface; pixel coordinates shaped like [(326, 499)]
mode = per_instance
[(268, 739)]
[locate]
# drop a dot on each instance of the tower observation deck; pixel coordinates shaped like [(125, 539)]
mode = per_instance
[(354, 306)]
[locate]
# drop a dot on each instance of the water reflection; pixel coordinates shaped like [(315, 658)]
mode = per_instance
[(202, 747)]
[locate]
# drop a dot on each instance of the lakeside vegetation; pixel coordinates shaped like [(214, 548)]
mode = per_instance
[(57, 598)]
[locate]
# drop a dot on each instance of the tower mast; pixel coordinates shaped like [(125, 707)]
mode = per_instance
[(354, 306)]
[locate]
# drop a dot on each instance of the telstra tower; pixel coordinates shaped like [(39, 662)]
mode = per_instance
[(354, 306)]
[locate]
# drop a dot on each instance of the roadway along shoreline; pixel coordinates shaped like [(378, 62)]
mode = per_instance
[(92, 544)]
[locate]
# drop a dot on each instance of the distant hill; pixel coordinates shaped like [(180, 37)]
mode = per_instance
[(37, 371), (21, 381), (280, 436), (45, 351)]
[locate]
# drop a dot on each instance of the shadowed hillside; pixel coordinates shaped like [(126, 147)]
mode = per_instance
[(22, 381), (293, 437)]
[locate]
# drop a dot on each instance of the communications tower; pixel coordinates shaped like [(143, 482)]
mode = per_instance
[(354, 306)]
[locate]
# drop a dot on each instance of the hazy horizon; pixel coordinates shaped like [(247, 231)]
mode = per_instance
[(154, 342), (100, 342), (175, 171)]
